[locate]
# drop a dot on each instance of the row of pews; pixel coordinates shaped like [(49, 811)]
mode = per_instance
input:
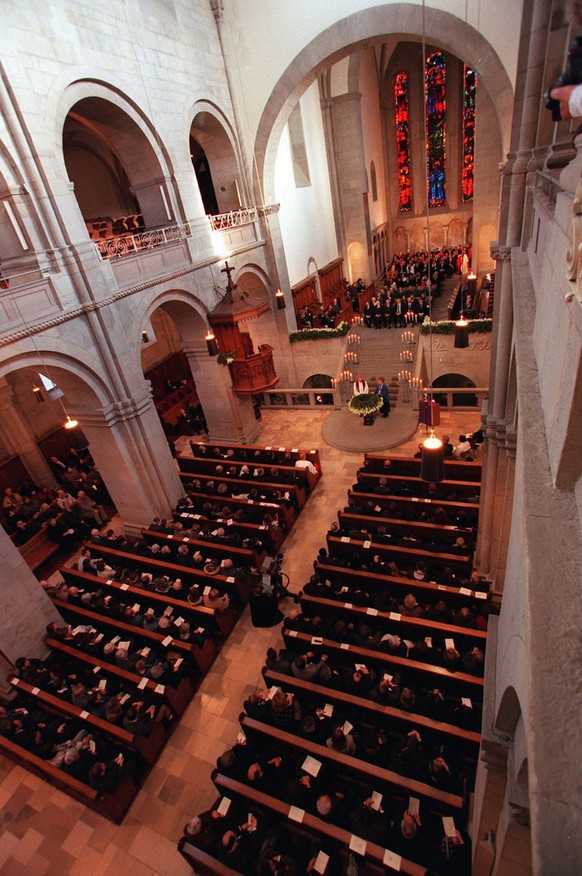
[(389, 637), (144, 620)]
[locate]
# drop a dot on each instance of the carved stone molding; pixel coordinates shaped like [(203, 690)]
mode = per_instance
[(217, 7), (500, 253)]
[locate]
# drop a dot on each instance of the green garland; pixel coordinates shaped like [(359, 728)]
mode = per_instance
[(319, 334), (225, 358), (364, 404), (447, 327)]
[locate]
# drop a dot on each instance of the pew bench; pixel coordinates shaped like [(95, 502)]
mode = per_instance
[(460, 683), (148, 747), (314, 825)]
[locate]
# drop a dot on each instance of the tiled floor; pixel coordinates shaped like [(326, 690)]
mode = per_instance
[(42, 831)]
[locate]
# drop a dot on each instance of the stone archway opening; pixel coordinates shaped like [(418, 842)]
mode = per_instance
[(459, 399), (215, 165), (117, 175)]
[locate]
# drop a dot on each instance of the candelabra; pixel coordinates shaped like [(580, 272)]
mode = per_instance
[(406, 356), (352, 357), (404, 379), (408, 338)]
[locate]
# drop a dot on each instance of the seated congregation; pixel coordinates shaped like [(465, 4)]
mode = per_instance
[(143, 621), (358, 754)]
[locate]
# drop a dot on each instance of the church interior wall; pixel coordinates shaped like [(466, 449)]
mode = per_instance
[(372, 129), (306, 213)]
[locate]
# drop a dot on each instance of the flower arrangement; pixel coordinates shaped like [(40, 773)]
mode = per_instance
[(447, 326), (225, 358), (318, 334), (365, 404)]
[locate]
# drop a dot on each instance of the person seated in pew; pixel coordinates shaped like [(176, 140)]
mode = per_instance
[(410, 607)]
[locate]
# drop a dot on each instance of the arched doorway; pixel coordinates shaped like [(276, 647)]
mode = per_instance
[(215, 162), (459, 399)]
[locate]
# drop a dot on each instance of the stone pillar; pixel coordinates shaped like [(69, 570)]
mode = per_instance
[(230, 417), (16, 437), (349, 162), (489, 795), (25, 608), (497, 502), (132, 455), (513, 842)]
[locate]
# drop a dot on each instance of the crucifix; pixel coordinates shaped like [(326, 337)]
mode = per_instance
[(228, 271)]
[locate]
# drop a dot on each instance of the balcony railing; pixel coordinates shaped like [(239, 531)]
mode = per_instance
[(130, 244), (244, 216)]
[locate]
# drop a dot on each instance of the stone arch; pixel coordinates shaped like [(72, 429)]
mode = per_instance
[(312, 271), (508, 712), (400, 239), (101, 121), (437, 235), (213, 143), (375, 25), (21, 234), (417, 237), (456, 233), (357, 261)]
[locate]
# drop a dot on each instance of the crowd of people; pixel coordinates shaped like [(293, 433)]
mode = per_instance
[(66, 512)]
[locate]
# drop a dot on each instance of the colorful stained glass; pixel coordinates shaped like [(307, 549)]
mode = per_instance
[(436, 110), (403, 141), (469, 91)]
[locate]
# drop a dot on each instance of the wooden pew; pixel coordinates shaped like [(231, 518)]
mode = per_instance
[(214, 549), (342, 546), (176, 698), (378, 712), (349, 520), (460, 683), (201, 657), (468, 511), (113, 806), (213, 621), (402, 626), (440, 800), (428, 591), (417, 487), (188, 576), (246, 529), (400, 465), (207, 465), (202, 863), (314, 825), (269, 455), (256, 510), (148, 747), (272, 492)]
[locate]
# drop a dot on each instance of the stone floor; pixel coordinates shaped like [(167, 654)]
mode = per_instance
[(42, 831)]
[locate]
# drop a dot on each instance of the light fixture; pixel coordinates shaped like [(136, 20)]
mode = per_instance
[(37, 393), (280, 299), (432, 465), (69, 423), (211, 344), (145, 338), (461, 333)]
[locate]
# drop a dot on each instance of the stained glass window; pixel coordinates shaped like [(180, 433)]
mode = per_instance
[(436, 108), (469, 89), (403, 141)]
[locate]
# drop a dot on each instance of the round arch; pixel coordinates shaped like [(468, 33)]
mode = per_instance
[(374, 25), (216, 159)]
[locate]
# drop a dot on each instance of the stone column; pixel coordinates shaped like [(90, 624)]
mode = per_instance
[(15, 434), (349, 163), (513, 842), (25, 609), (230, 417), (131, 452), (489, 795)]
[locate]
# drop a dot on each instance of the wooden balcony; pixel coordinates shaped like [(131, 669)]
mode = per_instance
[(254, 373)]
